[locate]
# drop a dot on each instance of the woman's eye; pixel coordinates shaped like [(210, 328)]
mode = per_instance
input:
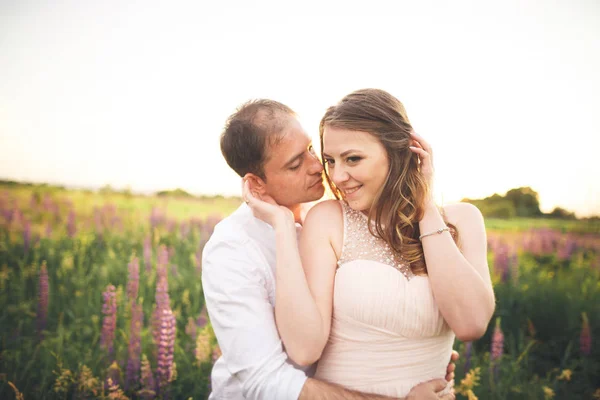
[(329, 161), (353, 159)]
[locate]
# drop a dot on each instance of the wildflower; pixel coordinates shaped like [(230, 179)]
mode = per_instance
[(26, 236), (148, 253), (497, 341), (87, 383), (166, 347), (71, 227), (216, 353), (203, 351), (585, 338), (148, 390), (64, 381), (43, 294), (115, 392), (548, 393), (133, 282), (162, 293), (134, 349), (109, 322), (470, 381), (191, 328), (468, 351), (18, 394), (565, 375)]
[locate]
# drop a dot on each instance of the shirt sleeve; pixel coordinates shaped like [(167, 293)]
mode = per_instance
[(237, 301)]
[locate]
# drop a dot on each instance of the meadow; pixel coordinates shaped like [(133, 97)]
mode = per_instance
[(101, 297)]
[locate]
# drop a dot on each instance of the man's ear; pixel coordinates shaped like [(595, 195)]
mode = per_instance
[(257, 184)]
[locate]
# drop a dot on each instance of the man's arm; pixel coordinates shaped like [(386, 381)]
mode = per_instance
[(233, 279), (318, 390)]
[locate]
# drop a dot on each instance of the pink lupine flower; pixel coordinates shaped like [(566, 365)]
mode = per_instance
[(71, 225), (497, 342), (166, 347), (43, 294), (468, 353), (133, 282), (148, 253), (26, 235), (109, 322), (134, 350), (585, 338)]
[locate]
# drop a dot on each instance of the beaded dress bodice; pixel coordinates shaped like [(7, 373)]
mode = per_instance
[(359, 243), (387, 334)]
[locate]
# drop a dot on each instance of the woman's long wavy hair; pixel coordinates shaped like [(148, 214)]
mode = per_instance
[(399, 205)]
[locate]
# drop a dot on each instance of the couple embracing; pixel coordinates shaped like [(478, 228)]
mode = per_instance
[(361, 299)]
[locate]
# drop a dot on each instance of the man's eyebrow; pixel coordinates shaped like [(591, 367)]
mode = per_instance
[(343, 154)]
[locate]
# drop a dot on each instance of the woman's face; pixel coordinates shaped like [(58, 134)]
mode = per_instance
[(357, 163)]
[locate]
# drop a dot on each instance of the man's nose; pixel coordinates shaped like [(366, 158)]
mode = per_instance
[(315, 167)]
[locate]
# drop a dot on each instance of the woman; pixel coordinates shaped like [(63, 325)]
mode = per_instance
[(381, 283)]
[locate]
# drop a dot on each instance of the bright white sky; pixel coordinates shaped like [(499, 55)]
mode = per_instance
[(136, 93)]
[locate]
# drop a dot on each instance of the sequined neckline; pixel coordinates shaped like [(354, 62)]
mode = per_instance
[(360, 244)]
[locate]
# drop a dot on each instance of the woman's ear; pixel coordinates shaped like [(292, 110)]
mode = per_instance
[(257, 184)]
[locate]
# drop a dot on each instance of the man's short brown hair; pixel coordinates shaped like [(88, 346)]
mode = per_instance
[(249, 132)]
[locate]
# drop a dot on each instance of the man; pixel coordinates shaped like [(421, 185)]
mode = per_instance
[(264, 142)]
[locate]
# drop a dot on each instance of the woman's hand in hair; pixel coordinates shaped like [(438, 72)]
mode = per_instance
[(425, 153), (264, 207)]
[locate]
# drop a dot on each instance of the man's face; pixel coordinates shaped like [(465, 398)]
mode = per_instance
[(293, 171)]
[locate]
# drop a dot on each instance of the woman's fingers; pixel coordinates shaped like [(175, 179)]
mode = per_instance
[(422, 142)]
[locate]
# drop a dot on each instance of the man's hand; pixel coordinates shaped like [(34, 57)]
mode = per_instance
[(430, 390), (451, 366)]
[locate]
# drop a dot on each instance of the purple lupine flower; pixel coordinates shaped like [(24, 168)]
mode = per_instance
[(148, 253), (26, 235), (109, 322), (497, 342), (48, 232), (184, 229), (166, 347), (162, 292), (202, 318), (134, 351), (133, 282), (501, 260), (98, 221), (43, 294), (191, 329), (468, 353), (71, 226), (585, 338), (567, 249)]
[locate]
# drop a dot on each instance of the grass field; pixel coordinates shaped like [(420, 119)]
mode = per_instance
[(101, 298)]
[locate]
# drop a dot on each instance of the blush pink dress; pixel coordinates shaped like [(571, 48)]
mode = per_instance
[(387, 333)]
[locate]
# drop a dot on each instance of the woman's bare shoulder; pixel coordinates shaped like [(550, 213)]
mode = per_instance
[(462, 213), (325, 214)]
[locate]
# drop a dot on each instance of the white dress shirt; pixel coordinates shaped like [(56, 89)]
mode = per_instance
[(238, 280)]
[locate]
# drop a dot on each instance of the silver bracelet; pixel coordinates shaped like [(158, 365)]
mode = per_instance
[(439, 231)]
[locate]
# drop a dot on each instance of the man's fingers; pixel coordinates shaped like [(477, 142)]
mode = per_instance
[(455, 356), (451, 367), (449, 376), (438, 384), (448, 396)]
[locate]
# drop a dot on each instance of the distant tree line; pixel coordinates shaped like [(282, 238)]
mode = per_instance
[(520, 202)]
